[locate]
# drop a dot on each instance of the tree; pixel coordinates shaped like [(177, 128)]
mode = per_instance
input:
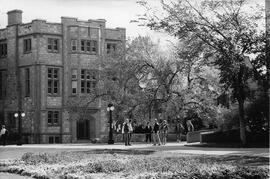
[(224, 27)]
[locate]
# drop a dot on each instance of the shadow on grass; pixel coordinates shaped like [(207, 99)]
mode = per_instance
[(229, 145), (120, 151), (254, 161)]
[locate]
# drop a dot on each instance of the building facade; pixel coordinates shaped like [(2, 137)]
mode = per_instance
[(42, 66)]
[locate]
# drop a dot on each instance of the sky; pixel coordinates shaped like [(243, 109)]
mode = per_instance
[(118, 13)]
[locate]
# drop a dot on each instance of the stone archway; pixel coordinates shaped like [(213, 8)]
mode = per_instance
[(86, 128)]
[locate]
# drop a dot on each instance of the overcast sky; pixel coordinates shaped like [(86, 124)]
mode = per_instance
[(117, 13)]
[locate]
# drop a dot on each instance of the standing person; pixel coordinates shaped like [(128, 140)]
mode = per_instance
[(179, 130), (148, 131), (3, 135), (164, 132), (130, 130), (190, 126), (125, 131), (156, 133)]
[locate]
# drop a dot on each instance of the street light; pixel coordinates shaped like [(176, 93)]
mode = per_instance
[(19, 115), (143, 85), (110, 108)]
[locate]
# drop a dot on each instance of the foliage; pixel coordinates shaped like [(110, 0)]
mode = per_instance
[(228, 33), (232, 136)]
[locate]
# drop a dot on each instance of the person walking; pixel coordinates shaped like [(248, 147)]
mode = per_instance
[(3, 135), (130, 131), (156, 133), (148, 131), (164, 132), (179, 130), (125, 132)]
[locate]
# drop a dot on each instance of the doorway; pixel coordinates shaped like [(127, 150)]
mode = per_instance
[(83, 130)]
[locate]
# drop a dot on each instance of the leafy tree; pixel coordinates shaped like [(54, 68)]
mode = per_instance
[(225, 27)]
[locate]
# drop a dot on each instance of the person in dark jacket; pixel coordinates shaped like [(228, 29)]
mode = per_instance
[(148, 131), (179, 130), (164, 132), (125, 131), (156, 133)]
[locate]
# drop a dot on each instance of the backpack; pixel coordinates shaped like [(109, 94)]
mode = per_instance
[(126, 127)]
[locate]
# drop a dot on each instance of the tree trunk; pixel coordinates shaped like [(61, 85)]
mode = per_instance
[(242, 121)]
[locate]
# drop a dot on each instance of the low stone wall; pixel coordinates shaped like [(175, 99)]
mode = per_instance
[(141, 137), (195, 136)]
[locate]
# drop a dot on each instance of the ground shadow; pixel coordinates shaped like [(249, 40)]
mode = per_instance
[(120, 151), (241, 160), (229, 145)]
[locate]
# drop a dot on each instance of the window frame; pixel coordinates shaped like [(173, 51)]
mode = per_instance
[(27, 45), (88, 81), (54, 141), (74, 43), (89, 46), (27, 82), (54, 44), (3, 49), (53, 118), (51, 81)]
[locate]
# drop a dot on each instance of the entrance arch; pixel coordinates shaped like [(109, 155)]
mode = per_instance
[(86, 128)]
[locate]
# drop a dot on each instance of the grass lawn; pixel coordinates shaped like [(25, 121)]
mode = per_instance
[(136, 164)]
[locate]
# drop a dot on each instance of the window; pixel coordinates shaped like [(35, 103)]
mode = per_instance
[(27, 82), (74, 82), (54, 139), (53, 81), (88, 81), (111, 47), (93, 46), (53, 118), (3, 49), (53, 45), (82, 45), (73, 45), (27, 47), (74, 87), (74, 74), (2, 84), (89, 46)]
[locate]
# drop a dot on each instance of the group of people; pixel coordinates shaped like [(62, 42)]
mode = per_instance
[(127, 130), (159, 131)]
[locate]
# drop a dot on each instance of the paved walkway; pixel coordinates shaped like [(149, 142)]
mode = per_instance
[(14, 151)]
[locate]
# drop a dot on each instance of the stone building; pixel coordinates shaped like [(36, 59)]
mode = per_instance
[(42, 66)]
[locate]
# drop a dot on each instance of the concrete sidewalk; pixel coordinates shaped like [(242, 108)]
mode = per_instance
[(14, 151)]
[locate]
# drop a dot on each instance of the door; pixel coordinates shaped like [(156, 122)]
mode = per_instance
[(83, 130)]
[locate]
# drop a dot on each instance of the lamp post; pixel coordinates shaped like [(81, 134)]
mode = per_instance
[(143, 86), (19, 115), (110, 108)]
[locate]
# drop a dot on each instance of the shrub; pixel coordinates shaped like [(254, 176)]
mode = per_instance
[(233, 136)]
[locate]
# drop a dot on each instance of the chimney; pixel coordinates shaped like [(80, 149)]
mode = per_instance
[(14, 17)]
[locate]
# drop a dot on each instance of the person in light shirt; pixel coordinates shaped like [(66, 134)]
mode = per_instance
[(3, 135)]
